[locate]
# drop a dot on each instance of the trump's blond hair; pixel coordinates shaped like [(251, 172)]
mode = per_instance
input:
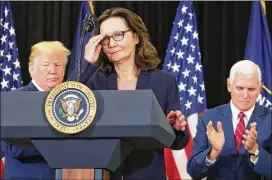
[(48, 47)]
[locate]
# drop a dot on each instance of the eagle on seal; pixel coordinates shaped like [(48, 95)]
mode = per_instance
[(70, 105)]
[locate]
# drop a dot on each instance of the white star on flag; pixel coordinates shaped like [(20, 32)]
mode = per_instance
[(175, 67), (184, 41), (186, 73), (182, 86), (188, 28), (180, 54), (180, 23)]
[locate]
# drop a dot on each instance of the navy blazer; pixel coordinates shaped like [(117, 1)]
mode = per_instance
[(230, 164), (146, 164), (16, 165)]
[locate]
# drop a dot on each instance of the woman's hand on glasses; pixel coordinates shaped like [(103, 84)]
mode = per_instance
[(93, 48)]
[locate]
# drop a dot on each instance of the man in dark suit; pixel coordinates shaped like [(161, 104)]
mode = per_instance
[(241, 146), (47, 64)]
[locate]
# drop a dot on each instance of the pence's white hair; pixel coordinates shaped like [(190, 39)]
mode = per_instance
[(245, 67)]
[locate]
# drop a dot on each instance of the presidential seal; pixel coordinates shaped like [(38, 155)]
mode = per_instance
[(70, 107)]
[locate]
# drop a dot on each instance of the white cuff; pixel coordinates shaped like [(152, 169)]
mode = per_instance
[(209, 162), (253, 161)]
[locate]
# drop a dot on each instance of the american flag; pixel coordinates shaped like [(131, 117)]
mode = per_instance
[(183, 59), (10, 69)]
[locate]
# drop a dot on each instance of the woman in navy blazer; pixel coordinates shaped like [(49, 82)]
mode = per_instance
[(126, 60)]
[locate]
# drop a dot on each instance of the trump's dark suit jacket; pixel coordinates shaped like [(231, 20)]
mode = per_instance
[(230, 164), (146, 164), (25, 164)]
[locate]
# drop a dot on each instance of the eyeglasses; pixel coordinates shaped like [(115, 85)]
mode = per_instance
[(118, 36)]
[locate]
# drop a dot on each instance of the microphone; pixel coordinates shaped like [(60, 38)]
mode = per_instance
[(88, 24)]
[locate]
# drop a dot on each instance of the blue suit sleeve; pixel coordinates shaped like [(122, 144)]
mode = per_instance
[(264, 164), (3, 148), (12, 149), (196, 165), (86, 72), (16, 151), (173, 104)]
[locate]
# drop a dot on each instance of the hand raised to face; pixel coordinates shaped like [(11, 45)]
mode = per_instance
[(93, 48)]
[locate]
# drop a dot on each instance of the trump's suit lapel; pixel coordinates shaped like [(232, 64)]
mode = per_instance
[(31, 87), (228, 128)]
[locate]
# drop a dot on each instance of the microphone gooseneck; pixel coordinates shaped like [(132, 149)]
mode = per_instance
[(88, 25)]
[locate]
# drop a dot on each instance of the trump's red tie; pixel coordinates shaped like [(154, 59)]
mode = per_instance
[(240, 131)]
